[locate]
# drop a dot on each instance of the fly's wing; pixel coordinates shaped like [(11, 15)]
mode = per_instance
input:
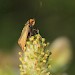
[(24, 34), (23, 37)]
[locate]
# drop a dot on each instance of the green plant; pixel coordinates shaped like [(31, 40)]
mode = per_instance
[(35, 58)]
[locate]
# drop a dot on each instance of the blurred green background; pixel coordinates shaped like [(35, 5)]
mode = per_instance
[(54, 18)]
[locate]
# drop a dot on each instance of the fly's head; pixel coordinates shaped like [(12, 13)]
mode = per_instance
[(31, 22)]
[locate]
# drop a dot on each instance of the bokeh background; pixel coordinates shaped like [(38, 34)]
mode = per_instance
[(54, 18)]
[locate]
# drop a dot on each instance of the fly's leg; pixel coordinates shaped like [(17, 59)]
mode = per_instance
[(35, 31)]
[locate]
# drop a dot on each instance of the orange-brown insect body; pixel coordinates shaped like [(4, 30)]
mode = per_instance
[(24, 34)]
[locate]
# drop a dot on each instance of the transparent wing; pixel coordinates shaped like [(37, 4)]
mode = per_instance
[(23, 37)]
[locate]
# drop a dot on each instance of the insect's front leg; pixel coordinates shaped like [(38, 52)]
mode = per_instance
[(35, 31)]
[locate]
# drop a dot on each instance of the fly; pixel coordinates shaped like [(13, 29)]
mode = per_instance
[(27, 32)]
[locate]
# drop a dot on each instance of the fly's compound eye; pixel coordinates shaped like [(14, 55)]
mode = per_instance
[(31, 22)]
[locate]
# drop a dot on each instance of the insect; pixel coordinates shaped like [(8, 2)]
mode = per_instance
[(27, 32)]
